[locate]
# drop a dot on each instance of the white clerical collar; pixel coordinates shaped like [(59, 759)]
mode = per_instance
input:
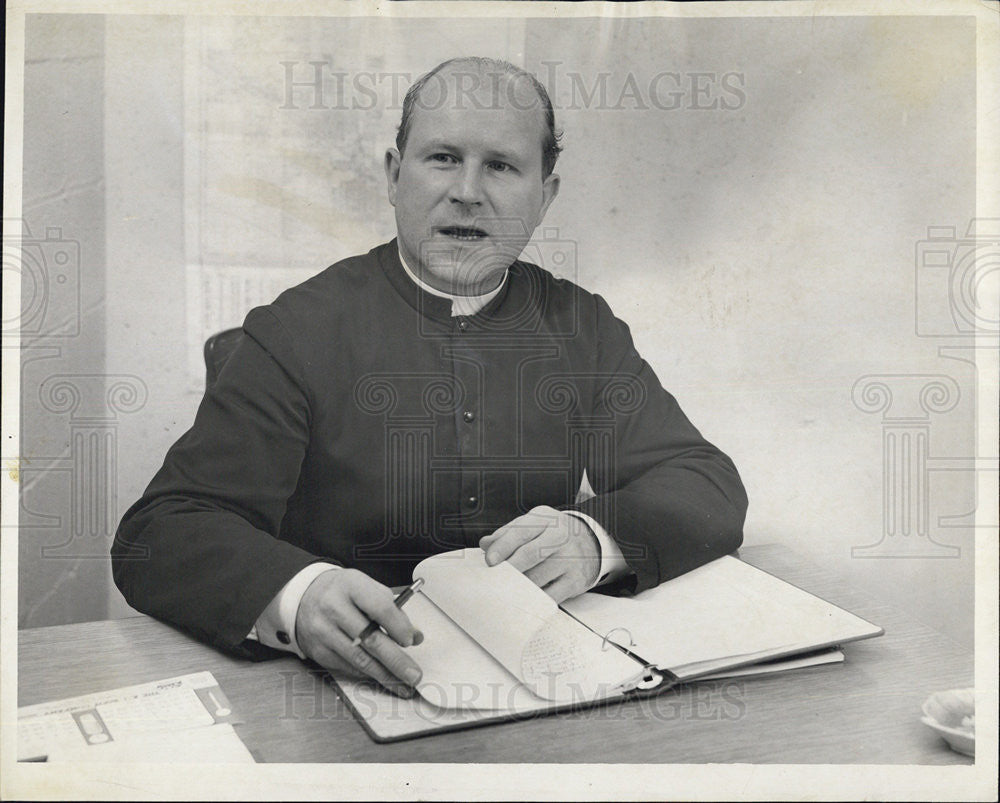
[(460, 305)]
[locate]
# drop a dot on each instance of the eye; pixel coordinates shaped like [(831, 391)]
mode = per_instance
[(499, 167), (443, 158)]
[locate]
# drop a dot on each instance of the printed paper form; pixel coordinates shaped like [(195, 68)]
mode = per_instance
[(218, 744), (720, 611), (121, 714), (520, 626)]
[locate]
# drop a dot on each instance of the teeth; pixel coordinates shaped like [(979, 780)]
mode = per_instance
[(465, 236)]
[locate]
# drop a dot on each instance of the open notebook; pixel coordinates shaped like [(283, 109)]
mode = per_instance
[(497, 646)]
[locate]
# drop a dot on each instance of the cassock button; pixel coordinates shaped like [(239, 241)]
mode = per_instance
[(283, 637), (463, 325), (469, 416), (472, 501)]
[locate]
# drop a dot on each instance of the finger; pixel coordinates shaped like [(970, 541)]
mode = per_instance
[(342, 653), (546, 546), (388, 654), (513, 535), (563, 588), (330, 660), (538, 517), (500, 533), (378, 656), (374, 602), (343, 610), (545, 572)]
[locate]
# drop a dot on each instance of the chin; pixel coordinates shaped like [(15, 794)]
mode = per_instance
[(475, 269), (466, 266), (469, 277)]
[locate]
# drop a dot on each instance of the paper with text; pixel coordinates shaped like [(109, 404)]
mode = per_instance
[(119, 715), (520, 626)]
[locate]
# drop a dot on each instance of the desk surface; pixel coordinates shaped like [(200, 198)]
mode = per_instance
[(866, 710)]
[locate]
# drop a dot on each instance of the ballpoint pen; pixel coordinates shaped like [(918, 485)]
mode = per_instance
[(400, 600)]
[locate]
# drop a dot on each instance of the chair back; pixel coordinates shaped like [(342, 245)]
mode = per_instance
[(218, 349)]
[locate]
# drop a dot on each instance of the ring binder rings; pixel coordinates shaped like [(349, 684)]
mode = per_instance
[(608, 640), (651, 680), (652, 675)]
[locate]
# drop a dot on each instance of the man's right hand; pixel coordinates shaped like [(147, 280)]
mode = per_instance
[(335, 608)]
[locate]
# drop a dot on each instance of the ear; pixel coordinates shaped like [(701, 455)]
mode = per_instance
[(392, 162), (550, 189)]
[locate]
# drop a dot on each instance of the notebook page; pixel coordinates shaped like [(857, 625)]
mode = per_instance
[(564, 661), (522, 627), (724, 612), (496, 605), (457, 672)]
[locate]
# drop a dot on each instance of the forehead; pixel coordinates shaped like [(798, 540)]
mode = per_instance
[(474, 108)]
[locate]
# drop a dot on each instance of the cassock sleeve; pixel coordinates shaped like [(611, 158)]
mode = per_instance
[(670, 499), (200, 549)]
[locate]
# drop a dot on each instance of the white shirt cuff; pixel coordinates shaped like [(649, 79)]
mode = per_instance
[(613, 563), (275, 627)]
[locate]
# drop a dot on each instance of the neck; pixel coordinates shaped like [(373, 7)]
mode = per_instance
[(446, 288)]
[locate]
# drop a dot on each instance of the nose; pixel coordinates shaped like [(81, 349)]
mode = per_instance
[(468, 185)]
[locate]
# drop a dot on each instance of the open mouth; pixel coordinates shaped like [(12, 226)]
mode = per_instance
[(467, 234)]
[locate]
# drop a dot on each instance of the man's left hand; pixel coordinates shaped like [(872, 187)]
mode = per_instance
[(556, 550)]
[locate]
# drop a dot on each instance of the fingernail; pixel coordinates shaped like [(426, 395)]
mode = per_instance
[(491, 558), (405, 691), (412, 675), (418, 637)]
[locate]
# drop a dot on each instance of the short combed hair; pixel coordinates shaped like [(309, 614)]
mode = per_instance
[(550, 144)]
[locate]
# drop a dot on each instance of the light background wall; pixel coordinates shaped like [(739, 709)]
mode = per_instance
[(764, 255), (63, 574)]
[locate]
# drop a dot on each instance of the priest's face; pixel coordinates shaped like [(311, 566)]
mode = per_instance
[(468, 187)]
